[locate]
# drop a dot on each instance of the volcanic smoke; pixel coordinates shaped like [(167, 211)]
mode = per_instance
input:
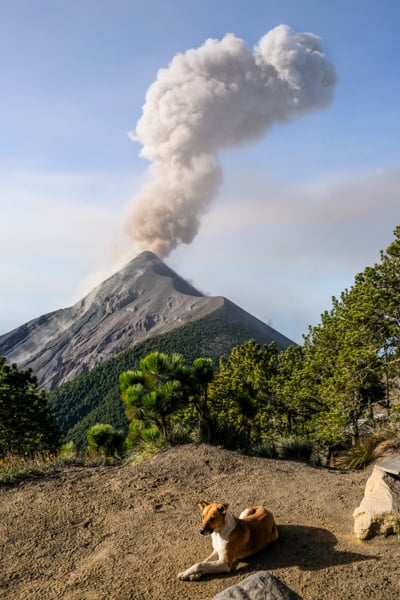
[(218, 96)]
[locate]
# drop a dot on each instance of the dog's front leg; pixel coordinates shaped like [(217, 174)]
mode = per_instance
[(208, 566), (213, 556)]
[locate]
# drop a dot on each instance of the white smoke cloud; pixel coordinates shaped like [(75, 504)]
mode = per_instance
[(218, 96)]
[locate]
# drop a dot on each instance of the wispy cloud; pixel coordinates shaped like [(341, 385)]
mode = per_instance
[(284, 251), (55, 229)]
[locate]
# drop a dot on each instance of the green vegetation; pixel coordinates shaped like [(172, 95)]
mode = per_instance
[(153, 393), (352, 358), (162, 393), (319, 395), (241, 397), (105, 439), (26, 424), (207, 381), (95, 397)]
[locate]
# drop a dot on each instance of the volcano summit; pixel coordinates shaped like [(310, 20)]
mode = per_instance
[(144, 299)]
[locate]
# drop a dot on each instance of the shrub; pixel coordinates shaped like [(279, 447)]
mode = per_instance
[(105, 439), (266, 449), (68, 451), (297, 448), (229, 436), (178, 434), (368, 449), (151, 435), (359, 456)]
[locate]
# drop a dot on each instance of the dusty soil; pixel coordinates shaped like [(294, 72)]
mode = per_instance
[(120, 533)]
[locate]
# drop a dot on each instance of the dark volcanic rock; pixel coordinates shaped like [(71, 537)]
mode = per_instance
[(143, 299)]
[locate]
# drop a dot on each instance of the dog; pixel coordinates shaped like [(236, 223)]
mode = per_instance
[(232, 538)]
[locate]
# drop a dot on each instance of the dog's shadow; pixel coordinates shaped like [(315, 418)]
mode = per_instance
[(309, 548)]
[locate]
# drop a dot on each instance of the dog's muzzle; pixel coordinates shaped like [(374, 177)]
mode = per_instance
[(205, 531)]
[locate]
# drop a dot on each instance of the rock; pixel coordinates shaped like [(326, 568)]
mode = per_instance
[(380, 508), (260, 586)]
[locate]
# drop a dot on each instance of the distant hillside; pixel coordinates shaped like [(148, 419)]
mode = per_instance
[(144, 299), (94, 397)]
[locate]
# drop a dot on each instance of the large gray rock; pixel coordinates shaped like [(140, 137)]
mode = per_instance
[(260, 586), (380, 508)]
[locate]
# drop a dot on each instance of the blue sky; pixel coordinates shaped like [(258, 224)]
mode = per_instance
[(299, 212)]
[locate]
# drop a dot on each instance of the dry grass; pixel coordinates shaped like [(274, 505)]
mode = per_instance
[(368, 449), (17, 468)]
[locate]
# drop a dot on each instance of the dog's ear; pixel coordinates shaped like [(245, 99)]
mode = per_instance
[(201, 504), (222, 508)]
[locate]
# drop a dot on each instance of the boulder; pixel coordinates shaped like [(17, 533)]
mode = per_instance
[(260, 586), (379, 511)]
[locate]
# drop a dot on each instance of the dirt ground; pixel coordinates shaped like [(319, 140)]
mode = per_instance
[(120, 533)]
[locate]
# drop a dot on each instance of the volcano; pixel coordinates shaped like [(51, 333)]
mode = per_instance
[(144, 299)]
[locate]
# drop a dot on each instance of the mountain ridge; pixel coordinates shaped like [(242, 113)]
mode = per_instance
[(143, 299)]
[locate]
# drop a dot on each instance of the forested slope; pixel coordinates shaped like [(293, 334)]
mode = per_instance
[(95, 396)]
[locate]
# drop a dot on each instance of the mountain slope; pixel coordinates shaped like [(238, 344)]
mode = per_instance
[(95, 397), (144, 299)]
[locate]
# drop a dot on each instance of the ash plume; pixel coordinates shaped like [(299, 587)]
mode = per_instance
[(218, 96)]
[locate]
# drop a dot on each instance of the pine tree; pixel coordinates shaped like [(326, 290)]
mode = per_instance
[(241, 393), (296, 391), (154, 391)]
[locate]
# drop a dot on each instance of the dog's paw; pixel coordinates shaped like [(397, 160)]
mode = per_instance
[(186, 576)]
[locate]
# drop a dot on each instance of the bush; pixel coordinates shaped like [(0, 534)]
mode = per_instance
[(68, 451), (178, 434), (266, 449), (105, 439), (151, 435), (368, 449), (297, 448), (26, 425), (229, 436)]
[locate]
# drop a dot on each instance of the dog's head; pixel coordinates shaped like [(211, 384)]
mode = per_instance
[(212, 516)]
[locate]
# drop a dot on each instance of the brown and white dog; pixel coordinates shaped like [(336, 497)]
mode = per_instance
[(232, 538)]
